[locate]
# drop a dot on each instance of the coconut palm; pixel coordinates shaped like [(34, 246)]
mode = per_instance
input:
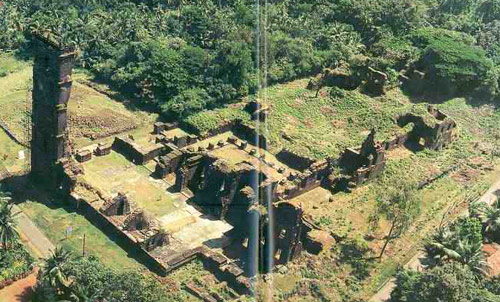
[(489, 217), (461, 242), (53, 271), (465, 251), (8, 223)]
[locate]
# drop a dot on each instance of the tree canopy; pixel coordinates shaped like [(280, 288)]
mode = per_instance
[(204, 54)]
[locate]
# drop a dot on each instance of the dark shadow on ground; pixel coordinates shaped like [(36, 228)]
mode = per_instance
[(474, 98), (26, 295), (414, 146)]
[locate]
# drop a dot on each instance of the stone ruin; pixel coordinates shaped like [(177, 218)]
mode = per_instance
[(52, 82), (103, 149), (117, 206), (436, 132), (364, 163), (370, 80), (241, 192), (139, 220)]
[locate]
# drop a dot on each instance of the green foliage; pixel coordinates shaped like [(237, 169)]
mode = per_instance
[(400, 208), (86, 279), (156, 50), (489, 216), (393, 52), (8, 224), (460, 242), (449, 58), (450, 282), (11, 25), (206, 121), (15, 262), (187, 102)]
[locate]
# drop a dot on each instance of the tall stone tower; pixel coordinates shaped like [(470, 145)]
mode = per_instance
[(51, 91)]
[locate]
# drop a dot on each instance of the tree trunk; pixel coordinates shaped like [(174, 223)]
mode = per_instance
[(389, 238)]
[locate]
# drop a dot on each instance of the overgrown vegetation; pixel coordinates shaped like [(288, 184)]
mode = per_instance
[(14, 258), (14, 262), (183, 57), (457, 269), (86, 279)]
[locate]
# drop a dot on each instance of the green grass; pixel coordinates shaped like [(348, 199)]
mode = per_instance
[(91, 113), (114, 173), (54, 221), (9, 64), (317, 127), (9, 151), (206, 121)]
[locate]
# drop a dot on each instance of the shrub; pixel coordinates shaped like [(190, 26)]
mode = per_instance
[(452, 61), (14, 262)]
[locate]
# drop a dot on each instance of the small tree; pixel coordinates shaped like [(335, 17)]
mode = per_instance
[(460, 242), (54, 272), (450, 282), (400, 208), (489, 216), (8, 224)]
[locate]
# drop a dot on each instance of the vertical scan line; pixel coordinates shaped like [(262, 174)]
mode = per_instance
[(254, 213), (269, 232)]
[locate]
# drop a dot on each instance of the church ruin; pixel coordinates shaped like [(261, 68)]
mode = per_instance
[(215, 193)]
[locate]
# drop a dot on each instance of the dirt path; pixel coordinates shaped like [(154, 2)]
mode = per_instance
[(414, 264), (19, 291), (37, 241)]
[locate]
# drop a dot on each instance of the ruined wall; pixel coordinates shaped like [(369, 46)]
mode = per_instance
[(436, 134), (250, 134), (136, 153), (169, 163), (110, 228), (52, 70), (188, 176), (287, 233), (293, 160)]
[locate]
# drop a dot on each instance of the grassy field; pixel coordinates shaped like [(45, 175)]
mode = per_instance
[(316, 127), (114, 173), (344, 273), (54, 221), (92, 114), (9, 64), (323, 126), (9, 153)]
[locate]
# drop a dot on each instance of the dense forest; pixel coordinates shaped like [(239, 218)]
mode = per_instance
[(182, 56)]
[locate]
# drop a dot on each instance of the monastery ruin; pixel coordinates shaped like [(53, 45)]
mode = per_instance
[(220, 197)]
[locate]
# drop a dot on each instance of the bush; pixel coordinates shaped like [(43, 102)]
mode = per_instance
[(90, 278), (187, 102), (450, 60), (14, 262)]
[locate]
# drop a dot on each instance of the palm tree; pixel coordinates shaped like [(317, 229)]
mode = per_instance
[(489, 217), (459, 242), (8, 224), (53, 271), (464, 251)]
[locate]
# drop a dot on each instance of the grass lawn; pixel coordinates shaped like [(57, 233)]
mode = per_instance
[(10, 64), (9, 151), (114, 173), (54, 221), (91, 114)]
